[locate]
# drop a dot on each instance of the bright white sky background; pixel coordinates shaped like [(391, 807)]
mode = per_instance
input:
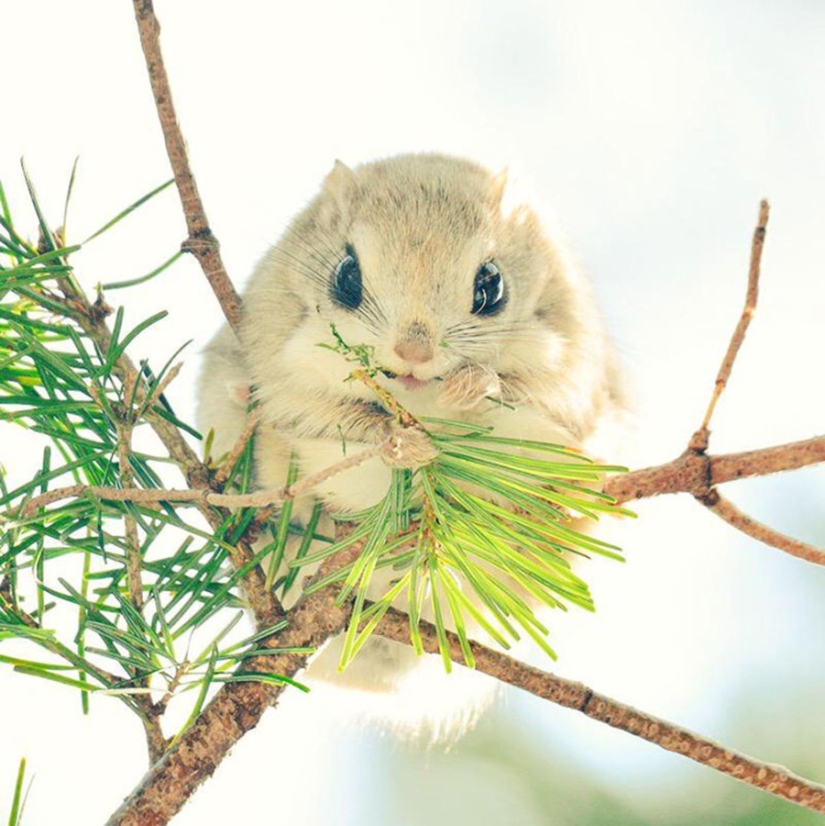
[(648, 131)]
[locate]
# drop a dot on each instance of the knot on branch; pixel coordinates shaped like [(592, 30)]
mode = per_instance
[(696, 472), (200, 243), (99, 310), (197, 477)]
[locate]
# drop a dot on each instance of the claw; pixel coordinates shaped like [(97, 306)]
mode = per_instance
[(409, 447)]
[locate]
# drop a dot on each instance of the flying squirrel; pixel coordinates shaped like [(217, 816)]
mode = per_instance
[(471, 314)]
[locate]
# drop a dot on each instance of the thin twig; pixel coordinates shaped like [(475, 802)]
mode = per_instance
[(204, 245), (123, 418), (134, 560), (181, 670), (253, 418), (699, 442), (309, 482), (575, 695), (767, 460), (302, 486), (91, 320), (201, 242), (388, 401), (161, 388), (727, 511), (156, 743), (256, 499)]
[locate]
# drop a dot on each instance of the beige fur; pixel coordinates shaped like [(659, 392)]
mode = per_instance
[(421, 226)]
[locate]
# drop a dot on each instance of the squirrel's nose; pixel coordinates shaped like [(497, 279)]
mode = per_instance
[(416, 352), (415, 344)]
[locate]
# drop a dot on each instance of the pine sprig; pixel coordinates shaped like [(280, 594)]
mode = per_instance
[(495, 525), (65, 589)]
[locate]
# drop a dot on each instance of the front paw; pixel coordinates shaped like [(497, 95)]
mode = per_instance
[(408, 447), (466, 386)]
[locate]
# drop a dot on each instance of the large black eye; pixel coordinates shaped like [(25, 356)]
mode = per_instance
[(488, 290), (346, 287)]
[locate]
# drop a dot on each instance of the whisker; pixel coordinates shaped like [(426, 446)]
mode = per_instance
[(299, 250), (298, 264), (298, 253)]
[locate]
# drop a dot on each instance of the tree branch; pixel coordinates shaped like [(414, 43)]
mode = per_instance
[(236, 708), (202, 243), (570, 694), (91, 319), (697, 474), (727, 511), (713, 500), (201, 496)]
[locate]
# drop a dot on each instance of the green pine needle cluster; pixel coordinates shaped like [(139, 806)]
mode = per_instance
[(478, 539), (65, 588)]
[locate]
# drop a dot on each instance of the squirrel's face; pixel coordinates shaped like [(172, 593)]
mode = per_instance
[(416, 261)]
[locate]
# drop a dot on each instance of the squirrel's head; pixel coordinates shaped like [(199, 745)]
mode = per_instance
[(414, 257)]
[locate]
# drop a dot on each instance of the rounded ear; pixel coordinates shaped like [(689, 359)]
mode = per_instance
[(339, 178), (337, 189), (496, 189)]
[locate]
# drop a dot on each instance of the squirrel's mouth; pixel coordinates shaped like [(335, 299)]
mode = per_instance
[(409, 381)]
